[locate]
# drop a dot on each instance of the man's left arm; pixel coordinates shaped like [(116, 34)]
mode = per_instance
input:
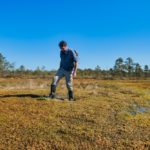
[(75, 69), (75, 57)]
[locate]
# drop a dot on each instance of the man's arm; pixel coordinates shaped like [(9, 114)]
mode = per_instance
[(75, 69), (75, 59)]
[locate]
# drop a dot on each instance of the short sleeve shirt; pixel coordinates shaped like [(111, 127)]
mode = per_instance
[(68, 58)]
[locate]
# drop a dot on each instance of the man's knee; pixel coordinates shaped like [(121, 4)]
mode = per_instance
[(55, 80), (69, 86)]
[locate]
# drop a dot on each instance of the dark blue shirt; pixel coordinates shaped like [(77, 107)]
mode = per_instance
[(68, 58)]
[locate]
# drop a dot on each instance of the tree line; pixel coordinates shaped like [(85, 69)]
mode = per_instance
[(122, 69)]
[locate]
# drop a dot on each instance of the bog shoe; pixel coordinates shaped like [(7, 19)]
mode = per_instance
[(52, 93), (71, 96)]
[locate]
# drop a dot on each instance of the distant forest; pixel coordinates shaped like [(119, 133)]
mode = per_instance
[(122, 69)]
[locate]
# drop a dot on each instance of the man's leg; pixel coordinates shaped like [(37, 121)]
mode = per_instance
[(55, 81), (69, 84)]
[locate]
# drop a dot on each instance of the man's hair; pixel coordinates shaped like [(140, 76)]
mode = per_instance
[(62, 43)]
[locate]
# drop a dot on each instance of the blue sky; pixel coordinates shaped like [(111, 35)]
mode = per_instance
[(101, 30)]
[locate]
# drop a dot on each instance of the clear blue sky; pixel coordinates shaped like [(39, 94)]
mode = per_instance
[(101, 30)]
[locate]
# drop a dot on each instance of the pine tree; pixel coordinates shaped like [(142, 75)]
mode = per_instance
[(119, 67), (138, 70), (129, 65), (146, 71)]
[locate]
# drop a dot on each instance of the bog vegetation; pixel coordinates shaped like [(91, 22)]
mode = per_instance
[(121, 70), (107, 114)]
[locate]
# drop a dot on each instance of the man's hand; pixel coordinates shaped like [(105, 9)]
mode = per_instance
[(74, 74)]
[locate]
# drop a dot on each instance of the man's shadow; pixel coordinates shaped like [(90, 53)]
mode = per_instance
[(34, 96), (21, 95)]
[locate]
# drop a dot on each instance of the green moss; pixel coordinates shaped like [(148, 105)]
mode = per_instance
[(101, 117)]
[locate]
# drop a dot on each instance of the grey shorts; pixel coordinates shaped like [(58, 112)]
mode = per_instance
[(68, 76)]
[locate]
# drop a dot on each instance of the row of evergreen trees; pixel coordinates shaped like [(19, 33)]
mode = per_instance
[(122, 69), (130, 69)]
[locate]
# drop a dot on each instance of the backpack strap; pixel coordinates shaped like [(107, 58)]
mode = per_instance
[(76, 53)]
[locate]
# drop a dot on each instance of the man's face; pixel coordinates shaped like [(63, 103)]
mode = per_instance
[(63, 48)]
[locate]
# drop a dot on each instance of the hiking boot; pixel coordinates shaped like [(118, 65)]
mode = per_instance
[(71, 96), (52, 96), (53, 90)]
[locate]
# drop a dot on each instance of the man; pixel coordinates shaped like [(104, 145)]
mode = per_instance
[(68, 69)]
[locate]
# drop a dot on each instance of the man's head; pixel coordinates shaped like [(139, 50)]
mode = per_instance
[(63, 45)]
